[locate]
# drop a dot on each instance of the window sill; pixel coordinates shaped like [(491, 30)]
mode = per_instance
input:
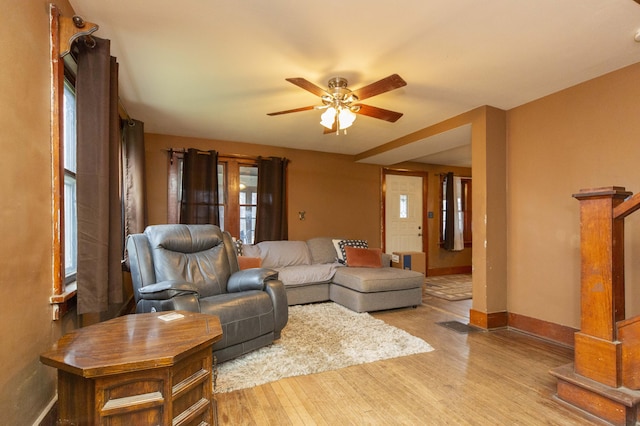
[(63, 303)]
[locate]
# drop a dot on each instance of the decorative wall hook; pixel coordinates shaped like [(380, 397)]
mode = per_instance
[(301, 214)]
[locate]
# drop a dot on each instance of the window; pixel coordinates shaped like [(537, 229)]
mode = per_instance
[(237, 194), (404, 206), (69, 160), (248, 199), (464, 208)]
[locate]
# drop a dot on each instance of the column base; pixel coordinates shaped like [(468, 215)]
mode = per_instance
[(618, 406)]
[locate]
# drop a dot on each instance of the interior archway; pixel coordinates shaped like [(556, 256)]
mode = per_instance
[(488, 145)]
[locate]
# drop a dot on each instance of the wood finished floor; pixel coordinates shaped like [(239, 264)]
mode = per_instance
[(482, 378)]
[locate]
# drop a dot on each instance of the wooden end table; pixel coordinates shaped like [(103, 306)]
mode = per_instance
[(137, 370)]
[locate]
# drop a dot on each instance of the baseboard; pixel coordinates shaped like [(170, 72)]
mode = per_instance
[(547, 330), (434, 272), (556, 333), (49, 416), (488, 321)]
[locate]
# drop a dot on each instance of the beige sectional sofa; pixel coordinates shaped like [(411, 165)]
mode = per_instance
[(315, 271)]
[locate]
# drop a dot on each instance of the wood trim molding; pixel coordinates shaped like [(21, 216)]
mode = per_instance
[(556, 333), (488, 321), (561, 334), (57, 168)]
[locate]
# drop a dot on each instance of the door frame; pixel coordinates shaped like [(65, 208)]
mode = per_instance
[(383, 206)]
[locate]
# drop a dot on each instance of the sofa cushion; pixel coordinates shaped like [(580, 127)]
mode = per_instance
[(368, 280), (250, 250), (363, 257), (341, 244), (307, 274), (322, 250), (278, 254)]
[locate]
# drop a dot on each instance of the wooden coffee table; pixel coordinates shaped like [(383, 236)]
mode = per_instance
[(137, 369)]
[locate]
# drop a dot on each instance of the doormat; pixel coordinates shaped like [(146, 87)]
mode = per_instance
[(459, 327)]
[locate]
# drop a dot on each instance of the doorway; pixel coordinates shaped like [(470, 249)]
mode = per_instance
[(404, 203)]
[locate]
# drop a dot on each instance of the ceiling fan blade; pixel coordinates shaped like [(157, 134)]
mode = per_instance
[(392, 82), (307, 108), (382, 114), (307, 85)]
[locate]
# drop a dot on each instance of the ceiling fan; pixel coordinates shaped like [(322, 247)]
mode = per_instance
[(342, 104)]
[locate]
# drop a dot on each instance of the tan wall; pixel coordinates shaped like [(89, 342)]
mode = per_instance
[(582, 137), (26, 386)]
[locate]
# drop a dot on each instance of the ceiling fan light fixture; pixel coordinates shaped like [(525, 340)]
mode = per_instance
[(328, 117), (346, 118), (343, 117), (341, 103)]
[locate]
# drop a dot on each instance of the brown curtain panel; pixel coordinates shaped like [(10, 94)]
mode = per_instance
[(271, 218), (134, 184), (99, 274), (199, 203), (450, 217)]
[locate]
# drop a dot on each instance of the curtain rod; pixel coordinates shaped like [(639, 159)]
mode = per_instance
[(241, 156), (444, 174)]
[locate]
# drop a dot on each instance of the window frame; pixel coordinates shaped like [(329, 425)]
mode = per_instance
[(232, 204), (467, 185), (63, 294)]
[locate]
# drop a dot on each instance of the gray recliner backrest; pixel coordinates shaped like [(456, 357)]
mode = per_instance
[(232, 253), (193, 253)]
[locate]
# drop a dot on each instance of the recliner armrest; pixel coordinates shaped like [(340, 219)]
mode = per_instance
[(167, 289), (250, 279)]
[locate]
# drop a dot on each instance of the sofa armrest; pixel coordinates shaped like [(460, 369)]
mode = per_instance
[(167, 289), (250, 279)]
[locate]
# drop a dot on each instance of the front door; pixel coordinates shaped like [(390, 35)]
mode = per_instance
[(404, 206)]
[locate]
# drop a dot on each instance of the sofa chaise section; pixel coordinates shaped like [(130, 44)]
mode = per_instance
[(311, 272), (376, 289)]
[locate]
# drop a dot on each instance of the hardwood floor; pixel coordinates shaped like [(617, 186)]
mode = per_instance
[(458, 308), (481, 378)]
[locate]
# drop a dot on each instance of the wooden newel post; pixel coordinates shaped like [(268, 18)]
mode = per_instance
[(597, 349), (604, 379)]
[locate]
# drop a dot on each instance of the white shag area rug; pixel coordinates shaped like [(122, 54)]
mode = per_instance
[(318, 337)]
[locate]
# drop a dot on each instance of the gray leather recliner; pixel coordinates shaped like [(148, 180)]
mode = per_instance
[(195, 268)]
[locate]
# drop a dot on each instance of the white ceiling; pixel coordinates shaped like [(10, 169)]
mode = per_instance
[(213, 69)]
